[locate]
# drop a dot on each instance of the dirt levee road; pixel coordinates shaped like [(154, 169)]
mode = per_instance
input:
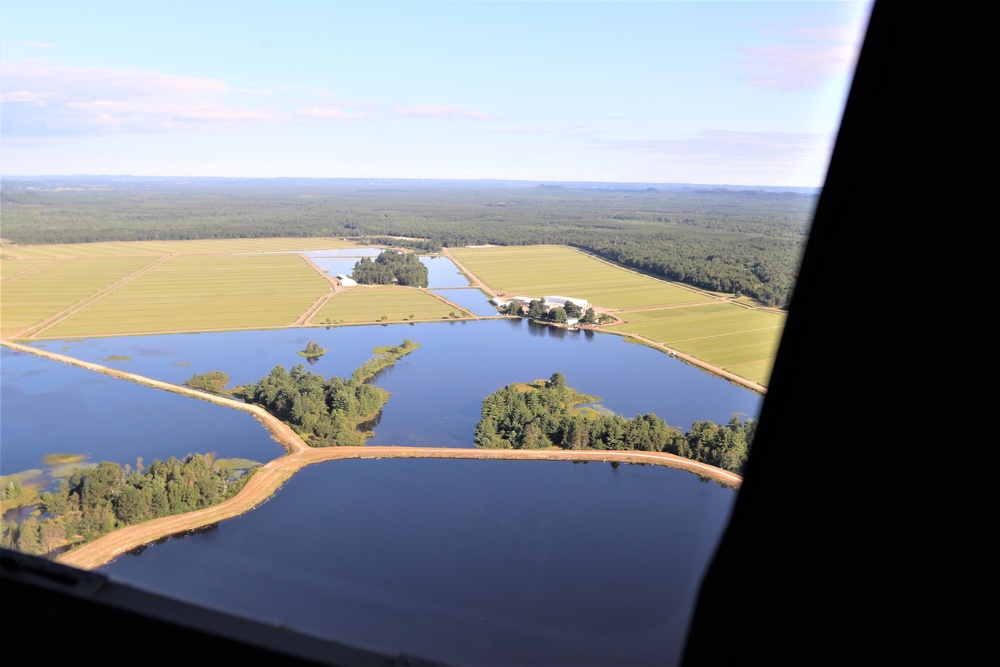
[(268, 478), (273, 474)]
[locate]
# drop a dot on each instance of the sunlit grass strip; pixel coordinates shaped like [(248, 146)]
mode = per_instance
[(209, 246), (201, 293), (365, 305), (14, 267), (741, 341), (757, 371), (538, 271), (698, 325), (676, 313), (29, 300), (695, 331), (760, 344)]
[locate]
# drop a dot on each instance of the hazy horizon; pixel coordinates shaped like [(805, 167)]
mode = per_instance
[(356, 180), (718, 92)]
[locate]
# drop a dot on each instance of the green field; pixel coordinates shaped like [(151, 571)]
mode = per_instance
[(731, 337), (201, 292), (29, 298), (9, 269), (537, 271), (367, 305), (153, 248)]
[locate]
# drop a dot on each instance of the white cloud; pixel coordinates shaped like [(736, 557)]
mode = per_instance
[(728, 144), (777, 158), (80, 100), (441, 111), (796, 66), (566, 131), (328, 113), (24, 97), (47, 100), (802, 56), (34, 45)]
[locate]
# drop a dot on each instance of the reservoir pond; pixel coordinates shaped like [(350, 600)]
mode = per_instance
[(464, 562), (47, 407), (437, 390), (467, 562)]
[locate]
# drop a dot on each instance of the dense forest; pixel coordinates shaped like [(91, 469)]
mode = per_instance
[(325, 412), (545, 414), (390, 267), (721, 239), (95, 500)]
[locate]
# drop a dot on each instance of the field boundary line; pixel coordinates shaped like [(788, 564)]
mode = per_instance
[(694, 361), (86, 302), (24, 274), (303, 320), (476, 282)]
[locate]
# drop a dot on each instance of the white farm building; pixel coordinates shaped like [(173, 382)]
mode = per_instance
[(561, 301), (346, 280)]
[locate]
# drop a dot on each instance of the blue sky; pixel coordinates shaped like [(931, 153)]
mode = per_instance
[(714, 92)]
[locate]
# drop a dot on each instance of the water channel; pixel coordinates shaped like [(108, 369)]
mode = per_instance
[(467, 562)]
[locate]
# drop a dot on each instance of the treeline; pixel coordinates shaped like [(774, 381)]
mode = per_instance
[(762, 268), (544, 415), (96, 500), (325, 412), (722, 240), (391, 267)]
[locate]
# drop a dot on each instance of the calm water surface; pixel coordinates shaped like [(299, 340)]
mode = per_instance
[(469, 562), (49, 407), (437, 390), (471, 299), (441, 271), (473, 562)]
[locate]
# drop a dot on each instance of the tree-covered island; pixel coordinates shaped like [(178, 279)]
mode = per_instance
[(213, 382), (313, 351), (391, 266), (547, 413), (96, 499), (325, 412)]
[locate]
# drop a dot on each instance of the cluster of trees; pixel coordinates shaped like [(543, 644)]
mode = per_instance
[(313, 351), (213, 382), (96, 500), (544, 414), (537, 311), (391, 267), (747, 242), (325, 412)]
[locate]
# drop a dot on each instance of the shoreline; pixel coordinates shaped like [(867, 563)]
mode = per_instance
[(273, 474)]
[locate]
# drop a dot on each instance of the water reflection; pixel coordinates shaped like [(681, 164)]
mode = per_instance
[(468, 562), (474, 562), (49, 407), (436, 391)]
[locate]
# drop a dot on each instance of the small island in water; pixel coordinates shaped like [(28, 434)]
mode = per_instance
[(313, 351)]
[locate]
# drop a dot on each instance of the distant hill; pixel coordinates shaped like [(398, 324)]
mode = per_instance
[(105, 180), (740, 240)]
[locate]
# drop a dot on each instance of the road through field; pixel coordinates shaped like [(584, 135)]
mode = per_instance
[(93, 298)]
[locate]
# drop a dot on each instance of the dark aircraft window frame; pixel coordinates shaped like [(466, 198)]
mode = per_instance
[(810, 568)]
